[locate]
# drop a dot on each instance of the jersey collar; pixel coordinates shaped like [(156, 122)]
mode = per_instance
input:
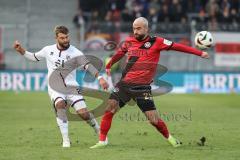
[(146, 38), (62, 49)]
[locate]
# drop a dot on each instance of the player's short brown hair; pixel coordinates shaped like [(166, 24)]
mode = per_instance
[(61, 29)]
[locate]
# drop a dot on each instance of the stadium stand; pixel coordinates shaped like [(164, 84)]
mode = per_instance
[(172, 19)]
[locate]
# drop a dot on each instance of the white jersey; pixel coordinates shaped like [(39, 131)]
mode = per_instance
[(56, 58)]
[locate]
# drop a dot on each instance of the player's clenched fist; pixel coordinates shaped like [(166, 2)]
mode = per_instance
[(205, 55), (18, 47)]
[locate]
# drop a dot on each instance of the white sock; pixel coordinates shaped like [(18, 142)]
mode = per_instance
[(93, 123), (63, 126)]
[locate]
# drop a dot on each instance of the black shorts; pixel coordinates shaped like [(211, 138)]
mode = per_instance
[(141, 94)]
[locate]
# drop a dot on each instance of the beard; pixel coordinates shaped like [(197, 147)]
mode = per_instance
[(64, 45), (140, 37)]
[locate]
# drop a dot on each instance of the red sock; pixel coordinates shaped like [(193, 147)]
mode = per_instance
[(105, 125), (162, 128)]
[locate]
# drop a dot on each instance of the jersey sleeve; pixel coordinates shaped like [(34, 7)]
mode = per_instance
[(186, 49), (35, 56), (40, 54), (164, 44), (121, 51)]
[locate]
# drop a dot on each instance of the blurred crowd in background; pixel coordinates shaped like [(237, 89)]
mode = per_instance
[(180, 11)]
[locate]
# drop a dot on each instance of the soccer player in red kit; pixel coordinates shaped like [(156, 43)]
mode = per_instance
[(143, 52)]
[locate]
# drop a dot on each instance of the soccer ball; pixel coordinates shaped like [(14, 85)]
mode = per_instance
[(203, 40)]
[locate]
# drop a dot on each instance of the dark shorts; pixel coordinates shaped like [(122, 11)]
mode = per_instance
[(141, 94)]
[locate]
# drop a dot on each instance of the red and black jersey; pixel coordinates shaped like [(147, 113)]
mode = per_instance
[(143, 57)]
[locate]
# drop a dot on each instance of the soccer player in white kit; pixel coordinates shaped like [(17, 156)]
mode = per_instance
[(56, 55)]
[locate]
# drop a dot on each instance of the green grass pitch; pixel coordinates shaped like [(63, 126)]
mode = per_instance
[(29, 131)]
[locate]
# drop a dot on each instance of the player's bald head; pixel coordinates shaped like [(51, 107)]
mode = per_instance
[(141, 21), (140, 28)]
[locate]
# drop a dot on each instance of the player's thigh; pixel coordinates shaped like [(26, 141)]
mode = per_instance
[(119, 97), (58, 99), (145, 104), (144, 98), (77, 102)]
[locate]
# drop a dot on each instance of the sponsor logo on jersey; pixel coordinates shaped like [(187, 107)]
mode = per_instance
[(167, 42)]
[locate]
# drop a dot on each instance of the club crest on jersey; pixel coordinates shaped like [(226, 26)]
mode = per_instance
[(68, 57), (116, 89), (51, 53), (147, 44)]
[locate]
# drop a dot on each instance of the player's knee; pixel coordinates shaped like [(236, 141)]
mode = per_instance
[(152, 117), (112, 106), (85, 116), (153, 120), (60, 105)]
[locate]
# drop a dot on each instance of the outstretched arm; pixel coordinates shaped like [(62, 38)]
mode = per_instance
[(30, 56), (82, 60), (188, 49), (103, 83), (115, 58)]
